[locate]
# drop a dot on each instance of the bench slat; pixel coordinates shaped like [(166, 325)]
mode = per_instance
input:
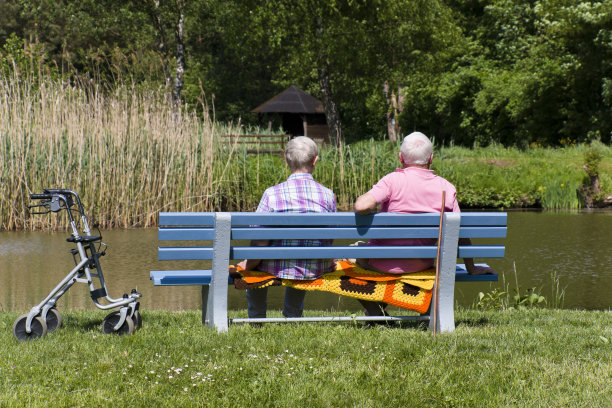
[(330, 252), (327, 219), (203, 277), (246, 233), (184, 277), (186, 234)]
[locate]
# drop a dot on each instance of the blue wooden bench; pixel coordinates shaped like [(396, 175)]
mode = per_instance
[(211, 236)]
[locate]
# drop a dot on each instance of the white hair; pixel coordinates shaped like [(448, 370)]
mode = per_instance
[(416, 148), (300, 153)]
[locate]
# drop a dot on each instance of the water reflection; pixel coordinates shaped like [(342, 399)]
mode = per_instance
[(575, 245), (33, 263)]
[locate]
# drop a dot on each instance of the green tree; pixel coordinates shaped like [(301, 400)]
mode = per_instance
[(538, 72)]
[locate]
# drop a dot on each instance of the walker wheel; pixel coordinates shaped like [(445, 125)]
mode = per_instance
[(111, 320), (54, 320), (137, 318), (38, 326)]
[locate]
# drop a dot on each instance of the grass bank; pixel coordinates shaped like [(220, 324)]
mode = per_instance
[(530, 358), (132, 153)]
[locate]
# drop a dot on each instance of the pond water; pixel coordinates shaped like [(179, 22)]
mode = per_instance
[(575, 246)]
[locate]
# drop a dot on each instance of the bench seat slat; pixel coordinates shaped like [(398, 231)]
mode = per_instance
[(336, 219), (184, 277), (203, 277), (330, 252)]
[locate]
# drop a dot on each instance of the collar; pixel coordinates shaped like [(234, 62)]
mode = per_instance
[(301, 176), (415, 169)]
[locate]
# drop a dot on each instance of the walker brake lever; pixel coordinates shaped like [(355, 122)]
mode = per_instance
[(44, 204)]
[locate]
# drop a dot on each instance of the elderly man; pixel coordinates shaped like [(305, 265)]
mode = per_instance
[(299, 194), (412, 189)]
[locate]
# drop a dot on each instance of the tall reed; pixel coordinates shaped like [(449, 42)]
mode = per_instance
[(129, 153)]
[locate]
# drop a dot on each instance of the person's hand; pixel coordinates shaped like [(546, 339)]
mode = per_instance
[(481, 270)]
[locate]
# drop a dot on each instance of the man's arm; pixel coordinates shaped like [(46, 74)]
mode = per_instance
[(365, 204), (469, 262)]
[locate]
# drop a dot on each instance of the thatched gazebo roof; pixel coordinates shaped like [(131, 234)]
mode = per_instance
[(291, 100)]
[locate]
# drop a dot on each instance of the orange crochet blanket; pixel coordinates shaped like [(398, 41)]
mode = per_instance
[(409, 291)]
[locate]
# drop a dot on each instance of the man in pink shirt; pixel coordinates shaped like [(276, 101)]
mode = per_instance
[(412, 189)]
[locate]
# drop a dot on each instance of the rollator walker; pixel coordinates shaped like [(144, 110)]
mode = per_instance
[(45, 318)]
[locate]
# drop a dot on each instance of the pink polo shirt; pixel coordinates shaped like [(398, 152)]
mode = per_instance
[(409, 191)]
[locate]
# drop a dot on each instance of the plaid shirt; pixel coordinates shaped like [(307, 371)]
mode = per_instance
[(299, 194)]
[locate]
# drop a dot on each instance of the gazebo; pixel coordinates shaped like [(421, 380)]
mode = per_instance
[(302, 114)]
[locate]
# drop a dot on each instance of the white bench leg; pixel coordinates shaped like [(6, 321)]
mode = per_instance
[(215, 313), (444, 312)]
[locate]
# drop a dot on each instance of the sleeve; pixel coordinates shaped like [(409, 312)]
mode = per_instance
[(332, 202), (382, 190), (264, 203), (454, 204)]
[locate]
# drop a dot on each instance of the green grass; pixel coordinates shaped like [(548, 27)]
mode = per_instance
[(531, 358)]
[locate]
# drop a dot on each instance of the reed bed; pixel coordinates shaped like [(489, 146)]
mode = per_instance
[(132, 153), (129, 154)]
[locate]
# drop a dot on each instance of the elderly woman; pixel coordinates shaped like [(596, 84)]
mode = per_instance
[(299, 194)]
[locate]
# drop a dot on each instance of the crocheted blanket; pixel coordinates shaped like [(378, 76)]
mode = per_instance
[(409, 291)]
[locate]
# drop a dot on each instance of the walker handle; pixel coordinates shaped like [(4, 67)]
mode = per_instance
[(63, 191), (41, 196)]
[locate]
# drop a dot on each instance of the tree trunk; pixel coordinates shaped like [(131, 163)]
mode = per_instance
[(161, 40), (331, 111), (180, 52), (396, 105)]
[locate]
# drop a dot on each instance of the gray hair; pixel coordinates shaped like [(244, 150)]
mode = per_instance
[(416, 148), (300, 153)]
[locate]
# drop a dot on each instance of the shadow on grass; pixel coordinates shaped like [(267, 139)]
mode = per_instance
[(403, 325), (480, 322), (83, 324)]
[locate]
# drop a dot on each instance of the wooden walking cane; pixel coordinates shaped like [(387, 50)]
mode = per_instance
[(437, 278)]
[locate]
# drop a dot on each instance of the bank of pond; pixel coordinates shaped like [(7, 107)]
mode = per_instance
[(130, 191)]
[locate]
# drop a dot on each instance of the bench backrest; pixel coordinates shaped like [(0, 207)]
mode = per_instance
[(244, 227)]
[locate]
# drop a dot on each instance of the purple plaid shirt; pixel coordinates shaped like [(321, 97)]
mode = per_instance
[(299, 194)]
